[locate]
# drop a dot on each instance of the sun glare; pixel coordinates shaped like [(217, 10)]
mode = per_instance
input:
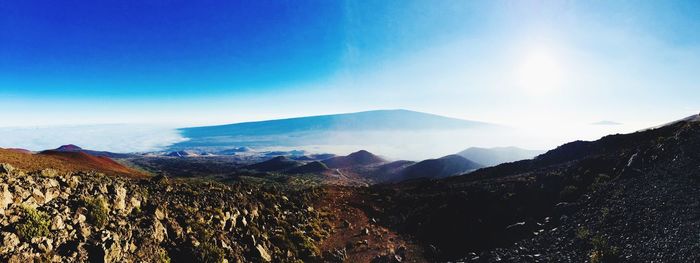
[(539, 72)]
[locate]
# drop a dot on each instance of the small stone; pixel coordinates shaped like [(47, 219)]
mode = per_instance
[(79, 216), (160, 215), (46, 245), (254, 213), (57, 223), (48, 172), (262, 252), (135, 203), (85, 231), (112, 250), (9, 242), (160, 179), (51, 194), (21, 192), (5, 196), (6, 168), (364, 232), (175, 228), (159, 231), (38, 196), (102, 188), (119, 203)]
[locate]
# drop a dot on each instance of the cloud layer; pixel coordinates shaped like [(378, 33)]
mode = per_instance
[(112, 137)]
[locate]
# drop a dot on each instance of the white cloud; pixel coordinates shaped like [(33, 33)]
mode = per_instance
[(112, 137)]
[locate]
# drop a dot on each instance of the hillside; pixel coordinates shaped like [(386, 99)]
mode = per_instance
[(389, 172), (498, 155), (358, 158), (314, 167), (438, 168), (65, 162), (630, 197), (627, 197), (75, 148), (279, 163)]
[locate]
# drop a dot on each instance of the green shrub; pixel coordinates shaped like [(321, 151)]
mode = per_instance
[(568, 193), (163, 256), (97, 211), (602, 251), (207, 252), (583, 233), (599, 181), (306, 247), (35, 224)]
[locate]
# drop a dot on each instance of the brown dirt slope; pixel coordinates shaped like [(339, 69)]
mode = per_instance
[(357, 236), (66, 162)]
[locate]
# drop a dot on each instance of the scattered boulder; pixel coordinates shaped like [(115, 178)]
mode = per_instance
[(119, 198), (92, 217), (5, 197), (48, 172), (262, 252), (111, 249), (57, 223), (6, 168), (9, 242)]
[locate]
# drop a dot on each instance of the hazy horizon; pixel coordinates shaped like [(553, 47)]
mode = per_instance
[(411, 145)]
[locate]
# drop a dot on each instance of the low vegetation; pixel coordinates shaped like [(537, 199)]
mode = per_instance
[(35, 224), (97, 211)]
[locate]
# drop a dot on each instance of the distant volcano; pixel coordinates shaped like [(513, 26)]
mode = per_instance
[(382, 128)]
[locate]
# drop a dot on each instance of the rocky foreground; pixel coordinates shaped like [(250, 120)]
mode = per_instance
[(49, 216)]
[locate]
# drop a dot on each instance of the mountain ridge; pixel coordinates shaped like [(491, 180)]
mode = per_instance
[(339, 119), (498, 155), (359, 128)]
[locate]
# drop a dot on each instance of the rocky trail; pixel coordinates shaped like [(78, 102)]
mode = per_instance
[(356, 236)]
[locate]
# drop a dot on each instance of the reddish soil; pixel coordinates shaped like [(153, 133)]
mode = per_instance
[(65, 162), (19, 150), (362, 237)]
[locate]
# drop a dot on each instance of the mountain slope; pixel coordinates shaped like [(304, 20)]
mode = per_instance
[(389, 172), (279, 163), (368, 120), (314, 167), (65, 162), (358, 158), (75, 148), (439, 168), (498, 155), (631, 197), (317, 129)]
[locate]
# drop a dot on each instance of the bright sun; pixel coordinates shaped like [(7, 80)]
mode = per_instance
[(540, 72)]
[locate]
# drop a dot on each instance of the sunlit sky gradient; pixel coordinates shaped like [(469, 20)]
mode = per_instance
[(548, 65)]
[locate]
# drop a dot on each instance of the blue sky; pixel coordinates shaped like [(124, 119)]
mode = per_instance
[(210, 62)]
